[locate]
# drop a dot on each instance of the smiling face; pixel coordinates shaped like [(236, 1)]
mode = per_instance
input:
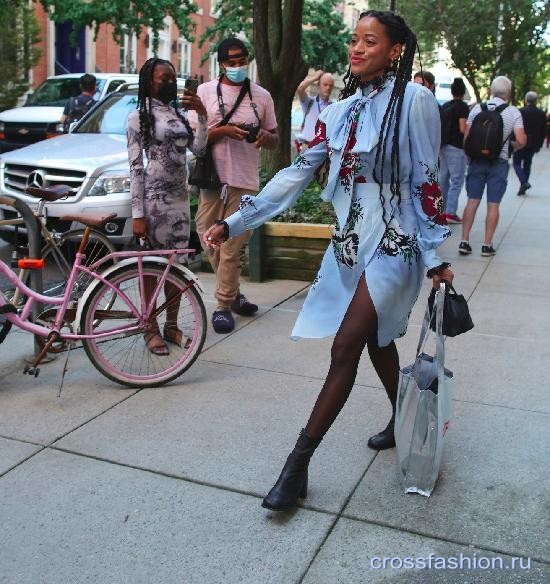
[(162, 73), (371, 49)]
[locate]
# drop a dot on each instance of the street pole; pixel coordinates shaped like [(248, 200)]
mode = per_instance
[(392, 5)]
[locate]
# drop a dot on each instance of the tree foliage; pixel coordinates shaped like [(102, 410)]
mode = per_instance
[(126, 16), (18, 55), (486, 38), (324, 34)]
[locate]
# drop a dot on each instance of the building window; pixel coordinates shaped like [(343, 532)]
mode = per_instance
[(163, 50), (184, 58), (214, 67), (128, 54)]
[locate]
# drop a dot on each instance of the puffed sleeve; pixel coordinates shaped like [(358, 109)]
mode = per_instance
[(424, 136), (135, 157), (283, 190)]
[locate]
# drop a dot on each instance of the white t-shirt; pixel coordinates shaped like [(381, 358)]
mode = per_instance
[(511, 119), (312, 107)]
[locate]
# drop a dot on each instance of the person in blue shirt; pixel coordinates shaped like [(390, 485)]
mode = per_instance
[(382, 141)]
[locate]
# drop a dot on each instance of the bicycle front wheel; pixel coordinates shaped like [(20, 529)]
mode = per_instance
[(123, 355), (60, 258)]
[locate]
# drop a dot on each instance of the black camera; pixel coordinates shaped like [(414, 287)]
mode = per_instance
[(253, 132)]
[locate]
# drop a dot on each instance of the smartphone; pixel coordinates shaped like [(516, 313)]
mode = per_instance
[(192, 84)]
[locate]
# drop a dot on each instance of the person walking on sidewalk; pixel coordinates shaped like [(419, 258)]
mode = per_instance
[(235, 151), (452, 158), (383, 185), (76, 107), (313, 106), (492, 171), (160, 199), (534, 123)]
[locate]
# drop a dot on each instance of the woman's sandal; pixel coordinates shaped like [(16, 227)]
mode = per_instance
[(155, 343), (174, 335)]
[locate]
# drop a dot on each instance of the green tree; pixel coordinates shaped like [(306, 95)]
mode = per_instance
[(288, 37), (493, 37), (18, 55), (126, 16)]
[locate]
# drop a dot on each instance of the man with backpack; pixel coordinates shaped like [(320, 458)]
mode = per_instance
[(77, 106), (489, 131), (534, 122), (452, 159)]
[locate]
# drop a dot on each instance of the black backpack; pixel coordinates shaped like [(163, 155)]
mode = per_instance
[(485, 139), (446, 115), (77, 109)]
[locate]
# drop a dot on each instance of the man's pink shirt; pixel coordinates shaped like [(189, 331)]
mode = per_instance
[(236, 161)]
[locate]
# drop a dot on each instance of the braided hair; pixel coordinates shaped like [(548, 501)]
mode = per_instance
[(399, 33), (145, 104)]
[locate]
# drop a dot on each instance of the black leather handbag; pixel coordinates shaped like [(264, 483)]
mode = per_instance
[(456, 315), (204, 174)]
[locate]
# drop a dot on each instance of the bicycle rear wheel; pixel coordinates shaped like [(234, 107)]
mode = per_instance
[(60, 259), (123, 356)]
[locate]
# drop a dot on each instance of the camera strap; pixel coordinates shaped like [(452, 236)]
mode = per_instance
[(244, 90)]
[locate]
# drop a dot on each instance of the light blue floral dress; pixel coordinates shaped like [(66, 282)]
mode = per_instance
[(391, 243)]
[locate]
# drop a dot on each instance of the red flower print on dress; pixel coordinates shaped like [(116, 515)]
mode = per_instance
[(432, 202), (320, 134)]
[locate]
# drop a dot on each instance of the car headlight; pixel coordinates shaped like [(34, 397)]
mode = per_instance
[(105, 185), (59, 128)]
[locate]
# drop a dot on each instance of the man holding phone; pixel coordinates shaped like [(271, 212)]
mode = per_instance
[(235, 151)]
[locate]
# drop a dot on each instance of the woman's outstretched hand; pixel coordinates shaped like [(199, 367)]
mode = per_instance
[(445, 275), (214, 236)]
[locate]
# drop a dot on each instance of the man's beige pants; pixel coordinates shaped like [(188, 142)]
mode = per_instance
[(227, 260)]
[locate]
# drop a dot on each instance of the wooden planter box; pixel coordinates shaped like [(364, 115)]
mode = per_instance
[(293, 251)]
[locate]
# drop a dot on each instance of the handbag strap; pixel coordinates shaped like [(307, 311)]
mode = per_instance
[(437, 312)]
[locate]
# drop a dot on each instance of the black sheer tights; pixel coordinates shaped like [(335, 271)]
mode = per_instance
[(359, 328)]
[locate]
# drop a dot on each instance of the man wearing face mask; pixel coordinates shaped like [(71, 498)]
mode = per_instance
[(235, 150)]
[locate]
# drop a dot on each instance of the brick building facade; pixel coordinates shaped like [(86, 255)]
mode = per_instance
[(106, 56)]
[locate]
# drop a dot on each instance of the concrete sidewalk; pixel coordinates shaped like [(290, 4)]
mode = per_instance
[(109, 485)]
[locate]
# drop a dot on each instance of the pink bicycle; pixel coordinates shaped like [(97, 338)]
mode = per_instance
[(141, 292)]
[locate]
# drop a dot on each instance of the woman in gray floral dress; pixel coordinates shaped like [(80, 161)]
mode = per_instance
[(160, 198)]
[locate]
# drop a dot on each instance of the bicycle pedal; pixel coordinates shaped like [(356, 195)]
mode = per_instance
[(31, 370)]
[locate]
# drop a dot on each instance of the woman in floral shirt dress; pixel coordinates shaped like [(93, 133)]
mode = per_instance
[(160, 199), (382, 141)]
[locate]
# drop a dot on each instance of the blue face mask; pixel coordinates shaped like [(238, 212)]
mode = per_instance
[(236, 74)]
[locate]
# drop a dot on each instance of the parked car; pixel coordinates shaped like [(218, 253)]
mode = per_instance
[(39, 118), (93, 158)]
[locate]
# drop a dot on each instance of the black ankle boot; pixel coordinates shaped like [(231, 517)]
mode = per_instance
[(385, 439), (292, 482)]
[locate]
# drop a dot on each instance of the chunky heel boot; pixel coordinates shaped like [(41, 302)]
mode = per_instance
[(385, 439), (292, 482)]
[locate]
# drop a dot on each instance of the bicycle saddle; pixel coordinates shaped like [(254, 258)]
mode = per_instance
[(89, 218), (53, 193)]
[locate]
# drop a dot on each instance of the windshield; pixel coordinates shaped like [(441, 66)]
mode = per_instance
[(110, 116), (56, 92)]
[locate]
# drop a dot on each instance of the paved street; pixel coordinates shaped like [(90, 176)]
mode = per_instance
[(110, 485)]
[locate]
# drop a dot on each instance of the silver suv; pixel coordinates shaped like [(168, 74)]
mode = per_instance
[(93, 158)]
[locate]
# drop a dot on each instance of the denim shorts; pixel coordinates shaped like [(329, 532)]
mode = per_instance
[(493, 174)]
